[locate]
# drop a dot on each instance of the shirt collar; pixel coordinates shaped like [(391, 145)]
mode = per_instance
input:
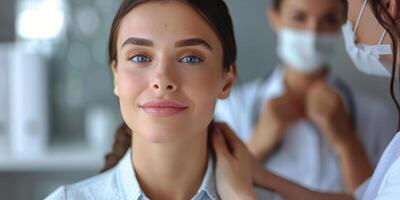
[(127, 178), (274, 84), (130, 186), (208, 186)]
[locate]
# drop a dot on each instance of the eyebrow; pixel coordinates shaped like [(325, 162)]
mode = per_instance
[(182, 43), (138, 41), (194, 42)]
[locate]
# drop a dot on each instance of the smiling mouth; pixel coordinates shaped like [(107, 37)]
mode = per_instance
[(163, 108)]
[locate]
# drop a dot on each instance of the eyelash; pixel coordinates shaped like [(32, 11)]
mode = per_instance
[(146, 59), (331, 20), (143, 56), (298, 18), (198, 60)]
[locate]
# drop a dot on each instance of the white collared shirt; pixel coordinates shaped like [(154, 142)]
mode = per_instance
[(304, 155), (120, 183)]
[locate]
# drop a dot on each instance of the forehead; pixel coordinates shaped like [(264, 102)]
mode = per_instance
[(314, 6), (164, 22)]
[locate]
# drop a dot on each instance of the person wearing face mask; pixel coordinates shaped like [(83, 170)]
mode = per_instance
[(372, 36), (301, 121)]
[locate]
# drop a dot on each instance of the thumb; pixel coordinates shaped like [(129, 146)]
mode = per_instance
[(236, 147), (219, 144)]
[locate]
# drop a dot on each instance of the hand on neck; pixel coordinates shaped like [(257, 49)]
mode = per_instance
[(170, 170), (298, 82)]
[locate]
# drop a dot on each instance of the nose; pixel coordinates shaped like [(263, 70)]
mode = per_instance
[(314, 26), (163, 81), (161, 84)]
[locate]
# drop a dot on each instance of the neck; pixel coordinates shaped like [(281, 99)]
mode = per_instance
[(298, 82), (170, 171)]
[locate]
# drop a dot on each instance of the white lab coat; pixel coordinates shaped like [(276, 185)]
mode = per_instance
[(304, 156), (385, 182)]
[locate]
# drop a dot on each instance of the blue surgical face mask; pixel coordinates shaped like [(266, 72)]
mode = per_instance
[(367, 58)]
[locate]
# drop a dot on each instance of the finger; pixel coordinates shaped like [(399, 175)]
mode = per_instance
[(321, 81), (315, 95), (219, 144), (230, 137), (309, 101), (221, 129), (237, 147), (316, 87)]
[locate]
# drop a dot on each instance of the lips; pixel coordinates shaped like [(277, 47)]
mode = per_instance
[(163, 108)]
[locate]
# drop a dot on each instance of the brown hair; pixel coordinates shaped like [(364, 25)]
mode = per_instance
[(122, 142), (214, 12), (278, 3), (389, 23)]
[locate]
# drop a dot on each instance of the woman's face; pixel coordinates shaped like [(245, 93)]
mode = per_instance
[(169, 72), (319, 16)]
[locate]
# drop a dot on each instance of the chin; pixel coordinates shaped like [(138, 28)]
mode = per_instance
[(158, 138), (163, 136)]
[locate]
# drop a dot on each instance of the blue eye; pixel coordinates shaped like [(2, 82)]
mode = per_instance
[(191, 60), (140, 59)]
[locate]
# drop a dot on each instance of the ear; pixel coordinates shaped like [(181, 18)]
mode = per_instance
[(114, 68), (393, 9), (229, 80), (392, 6), (273, 18)]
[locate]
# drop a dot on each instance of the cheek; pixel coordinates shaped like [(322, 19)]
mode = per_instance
[(369, 30), (287, 21), (130, 84), (353, 11), (204, 89)]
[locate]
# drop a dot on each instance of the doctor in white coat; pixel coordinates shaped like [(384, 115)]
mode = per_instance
[(372, 37), (280, 117)]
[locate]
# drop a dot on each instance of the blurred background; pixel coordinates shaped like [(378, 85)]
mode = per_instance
[(57, 111)]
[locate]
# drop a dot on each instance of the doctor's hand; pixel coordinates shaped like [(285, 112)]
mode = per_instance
[(275, 117), (326, 109), (324, 106), (237, 171), (234, 165)]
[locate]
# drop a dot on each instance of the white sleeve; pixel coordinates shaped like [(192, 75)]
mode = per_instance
[(390, 188), (58, 194), (359, 193)]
